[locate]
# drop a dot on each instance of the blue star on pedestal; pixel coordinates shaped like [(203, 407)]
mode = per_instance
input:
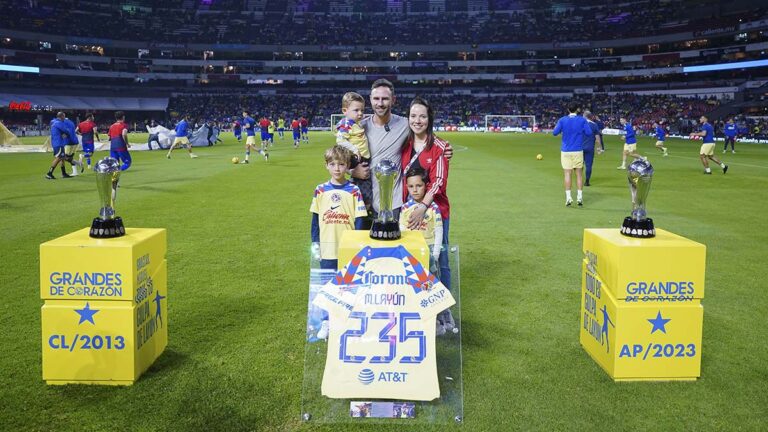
[(659, 323), (86, 314)]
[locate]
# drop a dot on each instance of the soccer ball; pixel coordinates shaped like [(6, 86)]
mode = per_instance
[(539, 156), (235, 160)]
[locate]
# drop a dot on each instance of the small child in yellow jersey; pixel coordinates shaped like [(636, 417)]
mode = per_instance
[(432, 225)]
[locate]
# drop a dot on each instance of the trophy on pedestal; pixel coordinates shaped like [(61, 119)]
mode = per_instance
[(638, 225), (385, 227), (107, 225)]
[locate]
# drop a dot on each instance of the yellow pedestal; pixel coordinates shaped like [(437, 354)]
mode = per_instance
[(105, 317), (641, 313), (353, 241)]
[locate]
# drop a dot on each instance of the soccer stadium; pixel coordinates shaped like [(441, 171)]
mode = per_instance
[(237, 215)]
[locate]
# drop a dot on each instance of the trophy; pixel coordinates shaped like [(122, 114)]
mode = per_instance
[(385, 227), (638, 225), (107, 225)]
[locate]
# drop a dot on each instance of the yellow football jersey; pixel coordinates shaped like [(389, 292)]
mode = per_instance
[(337, 207), (382, 308)]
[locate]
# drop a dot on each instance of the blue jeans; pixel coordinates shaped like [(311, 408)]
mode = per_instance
[(445, 269)]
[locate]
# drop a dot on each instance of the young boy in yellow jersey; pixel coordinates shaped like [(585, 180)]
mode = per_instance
[(432, 224), (337, 206)]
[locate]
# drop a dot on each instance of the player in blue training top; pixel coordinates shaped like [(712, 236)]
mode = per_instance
[(630, 143), (600, 126), (661, 135), (182, 137), (59, 139), (730, 131), (250, 135), (707, 151), (589, 146), (573, 127)]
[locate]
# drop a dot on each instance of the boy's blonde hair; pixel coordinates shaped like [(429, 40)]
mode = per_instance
[(338, 154), (350, 97)]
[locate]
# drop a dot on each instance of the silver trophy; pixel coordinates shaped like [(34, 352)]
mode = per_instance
[(639, 174), (385, 227), (107, 225)]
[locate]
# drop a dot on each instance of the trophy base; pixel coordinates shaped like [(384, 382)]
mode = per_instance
[(385, 230), (633, 228), (109, 228)]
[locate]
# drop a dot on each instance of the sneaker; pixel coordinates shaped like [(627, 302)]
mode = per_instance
[(724, 151), (439, 328), (666, 154), (568, 202), (193, 156), (168, 155), (448, 322), (245, 161), (50, 176), (579, 203), (587, 183), (266, 157), (323, 332), (733, 151), (725, 169), (708, 172), (65, 175), (621, 167)]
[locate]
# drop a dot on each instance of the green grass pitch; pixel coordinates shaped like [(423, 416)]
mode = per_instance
[(238, 240)]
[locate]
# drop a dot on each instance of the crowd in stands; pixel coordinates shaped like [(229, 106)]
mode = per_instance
[(227, 22)]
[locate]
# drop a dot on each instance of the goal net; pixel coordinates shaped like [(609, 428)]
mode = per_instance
[(510, 123)]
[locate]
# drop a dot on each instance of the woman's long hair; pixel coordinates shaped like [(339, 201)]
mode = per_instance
[(418, 100)]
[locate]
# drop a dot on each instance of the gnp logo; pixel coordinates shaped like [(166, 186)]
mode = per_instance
[(434, 298)]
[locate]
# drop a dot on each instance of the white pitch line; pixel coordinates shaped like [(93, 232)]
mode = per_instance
[(729, 162)]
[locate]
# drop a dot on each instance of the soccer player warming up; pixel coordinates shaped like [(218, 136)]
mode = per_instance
[(264, 127), (281, 127), (337, 206), (630, 143), (60, 138), (731, 131), (250, 135), (707, 151), (237, 130), (574, 128), (304, 129), (88, 129), (182, 130), (296, 128), (118, 141), (71, 147), (350, 135), (661, 135)]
